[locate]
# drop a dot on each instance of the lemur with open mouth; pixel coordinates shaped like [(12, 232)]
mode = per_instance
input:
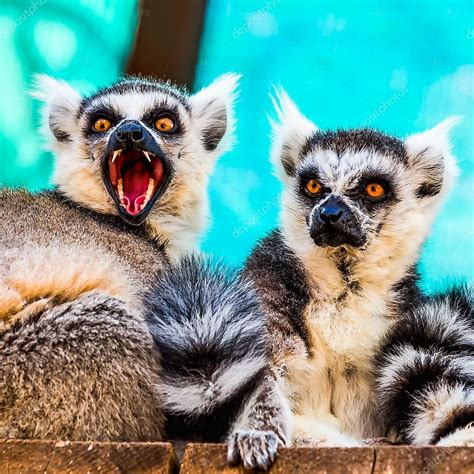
[(82, 265), (366, 354)]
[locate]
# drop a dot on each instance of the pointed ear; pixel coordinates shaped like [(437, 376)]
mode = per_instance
[(213, 111), (61, 103), (290, 131), (433, 166)]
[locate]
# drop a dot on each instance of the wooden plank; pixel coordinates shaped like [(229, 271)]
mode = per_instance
[(17, 457), (423, 460), (211, 459), (399, 460), (81, 457)]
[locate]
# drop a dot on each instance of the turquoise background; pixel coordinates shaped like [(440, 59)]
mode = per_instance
[(397, 66), (342, 61), (85, 42)]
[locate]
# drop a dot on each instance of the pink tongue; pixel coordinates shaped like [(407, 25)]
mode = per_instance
[(135, 184)]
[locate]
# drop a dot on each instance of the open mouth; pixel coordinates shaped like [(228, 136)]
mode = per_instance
[(136, 177)]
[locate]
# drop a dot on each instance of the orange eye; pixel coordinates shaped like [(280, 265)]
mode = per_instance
[(102, 125), (164, 124), (375, 190), (313, 187)]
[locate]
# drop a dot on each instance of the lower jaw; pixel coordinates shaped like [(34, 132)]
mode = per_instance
[(134, 220), (325, 241), (135, 180), (140, 217)]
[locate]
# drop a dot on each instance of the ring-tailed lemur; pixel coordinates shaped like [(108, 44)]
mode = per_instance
[(78, 360), (340, 272), (139, 149)]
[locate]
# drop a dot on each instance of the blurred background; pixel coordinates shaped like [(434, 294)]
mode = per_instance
[(399, 66)]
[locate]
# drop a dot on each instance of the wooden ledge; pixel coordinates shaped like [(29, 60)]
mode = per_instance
[(17, 457), (211, 459)]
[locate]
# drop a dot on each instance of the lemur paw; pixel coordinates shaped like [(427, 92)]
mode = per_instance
[(460, 437), (255, 449)]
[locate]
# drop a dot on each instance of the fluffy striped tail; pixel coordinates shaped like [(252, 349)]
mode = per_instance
[(425, 372), (209, 329)]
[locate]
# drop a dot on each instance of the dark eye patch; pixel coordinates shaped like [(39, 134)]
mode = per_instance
[(356, 186), (379, 179), (162, 110), (306, 174), (95, 113), (370, 205)]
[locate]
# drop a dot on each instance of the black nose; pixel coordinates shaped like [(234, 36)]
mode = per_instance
[(334, 223), (330, 212), (130, 131)]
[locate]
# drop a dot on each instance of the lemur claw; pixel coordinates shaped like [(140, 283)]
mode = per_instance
[(255, 449)]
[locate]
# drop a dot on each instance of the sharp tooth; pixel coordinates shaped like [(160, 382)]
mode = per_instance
[(149, 191), (120, 189), (116, 153), (147, 156)]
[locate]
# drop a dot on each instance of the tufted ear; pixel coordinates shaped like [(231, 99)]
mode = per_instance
[(434, 168), (213, 112), (61, 103), (290, 130)]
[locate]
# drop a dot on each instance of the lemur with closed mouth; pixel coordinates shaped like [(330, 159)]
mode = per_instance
[(79, 264), (365, 353)]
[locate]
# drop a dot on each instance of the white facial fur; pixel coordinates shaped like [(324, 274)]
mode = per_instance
[(181, 214), (419, 182)]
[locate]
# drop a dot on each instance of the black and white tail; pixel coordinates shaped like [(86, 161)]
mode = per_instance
[(209, 329), (425, 372)]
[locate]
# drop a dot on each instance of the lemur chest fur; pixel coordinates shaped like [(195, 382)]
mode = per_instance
[(333, 382)]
